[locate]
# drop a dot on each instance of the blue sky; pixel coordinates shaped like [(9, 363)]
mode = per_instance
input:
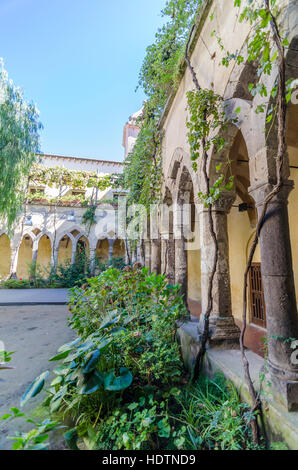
[(78, 60)]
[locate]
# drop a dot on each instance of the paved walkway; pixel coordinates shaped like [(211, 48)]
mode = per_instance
[(33, 297), (35, 333)]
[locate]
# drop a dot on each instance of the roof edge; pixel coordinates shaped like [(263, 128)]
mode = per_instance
[(45, 155)]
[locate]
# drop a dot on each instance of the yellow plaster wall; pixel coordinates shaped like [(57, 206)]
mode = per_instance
[(194, 266), (118, 249), (44, 252), (194, 275), (102, 250), (293, 214), (65, 253), (240, 239), (24, 258), (5, 254)]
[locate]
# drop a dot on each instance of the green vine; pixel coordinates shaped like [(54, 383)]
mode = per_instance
[(159, 77), (207, 120)]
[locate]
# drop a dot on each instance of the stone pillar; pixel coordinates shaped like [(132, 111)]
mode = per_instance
[(279, 291), (167, 243), (92, 261), (111, 248), (34, 252), (181, 226), (168, 257), (74, 253), (155, 256), (148, 254), (142, 252), (223, 330), (54, 260), (14, 262)]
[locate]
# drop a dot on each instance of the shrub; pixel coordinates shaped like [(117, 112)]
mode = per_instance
[(122, 381), (15, 284)]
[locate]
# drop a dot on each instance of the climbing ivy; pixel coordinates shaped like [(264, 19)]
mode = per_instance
[(60, 176), (159, 76), (207, 120)]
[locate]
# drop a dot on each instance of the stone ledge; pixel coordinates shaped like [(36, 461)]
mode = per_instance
[(279, 424)]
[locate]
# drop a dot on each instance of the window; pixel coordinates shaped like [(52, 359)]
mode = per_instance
[(36, 190), (77, 192), (257, 299)]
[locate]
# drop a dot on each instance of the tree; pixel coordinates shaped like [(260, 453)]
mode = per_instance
[(19, 144)]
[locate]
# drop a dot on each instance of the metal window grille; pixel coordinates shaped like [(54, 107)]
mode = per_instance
[(257, 299)]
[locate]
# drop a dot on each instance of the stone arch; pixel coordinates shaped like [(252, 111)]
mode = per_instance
[(220, 157), (179, 160), (5, 255), (62, 235)]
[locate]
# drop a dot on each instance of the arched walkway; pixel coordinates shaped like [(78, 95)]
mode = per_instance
[(242, 220)]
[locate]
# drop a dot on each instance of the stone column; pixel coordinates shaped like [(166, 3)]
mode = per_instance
[(279, 291), (73, 254), (168, 257), (14, 262), (167, 243), (54, 258), (223, 330), (148, 254), (142, 252), (92, 261), (155, 256), (182, 219), (34, 252), (111, 249)]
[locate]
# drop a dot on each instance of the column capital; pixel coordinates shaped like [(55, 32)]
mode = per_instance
[(261, 191), (225, 202)]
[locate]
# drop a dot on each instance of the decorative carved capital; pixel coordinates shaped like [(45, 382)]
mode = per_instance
[(225, 202), (260, 192)]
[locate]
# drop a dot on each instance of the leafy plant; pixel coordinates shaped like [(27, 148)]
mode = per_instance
[(19, 143), (15, 284), (5, 357)]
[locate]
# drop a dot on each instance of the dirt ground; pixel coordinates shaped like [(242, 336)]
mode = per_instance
[(35, 333)]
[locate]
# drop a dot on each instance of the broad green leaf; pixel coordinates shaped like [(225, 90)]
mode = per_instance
[(92, 362), (115, 384), (68, 346), (71, 438), (92, 384), (60, 356), (35, 387), (6, 416)]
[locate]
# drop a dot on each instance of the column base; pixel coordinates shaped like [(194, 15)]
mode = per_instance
[(284, 386), (223, 332)]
